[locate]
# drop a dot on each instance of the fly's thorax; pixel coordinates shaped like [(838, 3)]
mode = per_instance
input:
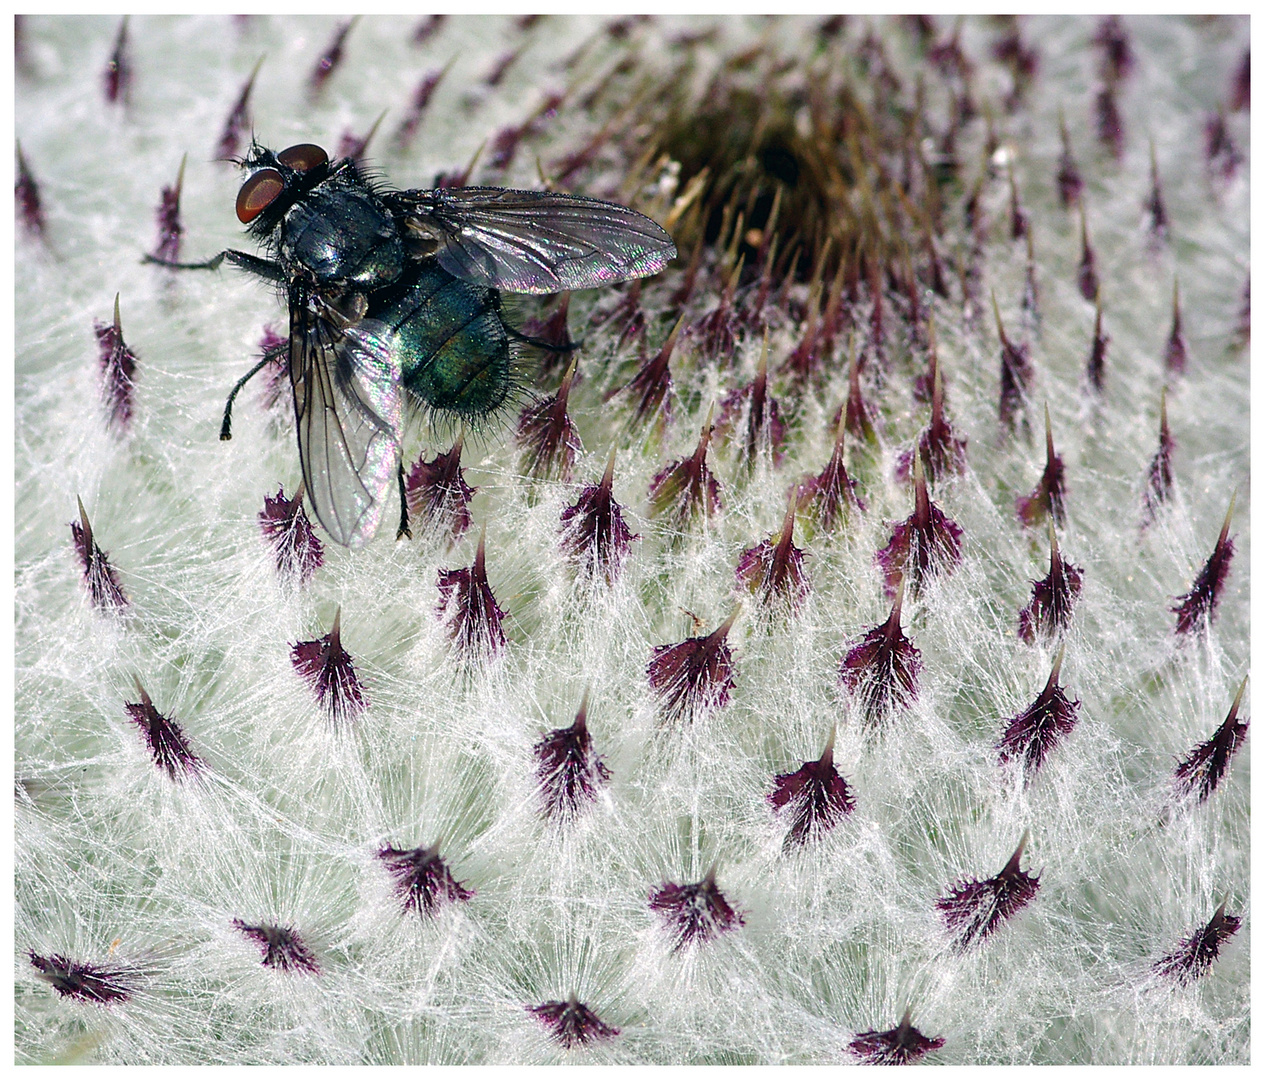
[(453, 348), (343, 236)]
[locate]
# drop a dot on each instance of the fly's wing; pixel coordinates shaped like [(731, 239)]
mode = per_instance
[(534, 241), (347, 407)]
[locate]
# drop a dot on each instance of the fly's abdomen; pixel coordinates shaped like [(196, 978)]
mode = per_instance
[(453, 347)]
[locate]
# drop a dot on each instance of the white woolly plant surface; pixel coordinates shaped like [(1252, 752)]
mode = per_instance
[(118, 865)]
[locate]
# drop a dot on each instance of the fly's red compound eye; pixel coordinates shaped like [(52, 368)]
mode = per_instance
[(258, 193), (303, 157)]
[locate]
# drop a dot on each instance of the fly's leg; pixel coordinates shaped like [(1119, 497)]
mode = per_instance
[(226, 425), (210, 264), (548, 346), (243, 260), (403, 530)]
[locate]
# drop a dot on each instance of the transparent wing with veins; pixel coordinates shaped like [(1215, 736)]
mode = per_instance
[(347, 408), (533, 241)]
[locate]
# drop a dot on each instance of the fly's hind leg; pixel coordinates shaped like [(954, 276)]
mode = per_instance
[(548, 346), (403, 530)]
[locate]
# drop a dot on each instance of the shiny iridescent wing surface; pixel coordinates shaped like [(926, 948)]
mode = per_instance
[(347, 408), (533, 241)]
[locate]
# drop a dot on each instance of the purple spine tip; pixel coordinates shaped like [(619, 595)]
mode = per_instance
[(327, 667), (1050, 495), (816, 797), (118, 370), (1032, 734), (438, 495), (238, 118), (900, 1045), (1096, 366), (1194, 955), (651, 387), (923, 545), (1200, 772), (547, 435), (118, 69), (569, 771), (168, 216), (1016, 373), (594, 535), (695, 675), (687, 488), (880, 670), (27, 194), (1159, 475), (973, 910), (296, 547), (99, 575), (167, 744), (1175, 352), (330, 59), (773, 570), (1087, 272), (695, 913), (831, 496), (469, 610), (91, 984), (1049, 612), (423, 881), (280, 947), (572, 1023), (1198, 608)]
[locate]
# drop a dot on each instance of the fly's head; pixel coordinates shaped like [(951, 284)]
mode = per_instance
[(277, 181)]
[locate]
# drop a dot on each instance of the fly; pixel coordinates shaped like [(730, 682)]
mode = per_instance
[(394, 297)]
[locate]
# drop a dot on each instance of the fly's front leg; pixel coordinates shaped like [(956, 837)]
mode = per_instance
[(243, 260)]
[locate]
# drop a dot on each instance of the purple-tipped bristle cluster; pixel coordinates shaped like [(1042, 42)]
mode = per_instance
[(571, 1023), (1194, 955), (423, 881), (880, 671), (548, 437), (167, 743), (328, 668), (974, 909), (815, 797), (569, 771), (99, 575), (773, 571), (296, 547), (118, 371), (901, 1045), (687, 488), (1032, 734), (280, 947), (695, 675), (438, 495), (595, 538), (168, 216), (1196, 609), (470, 614), (95, 984), (1200, 772), (696, 913)]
